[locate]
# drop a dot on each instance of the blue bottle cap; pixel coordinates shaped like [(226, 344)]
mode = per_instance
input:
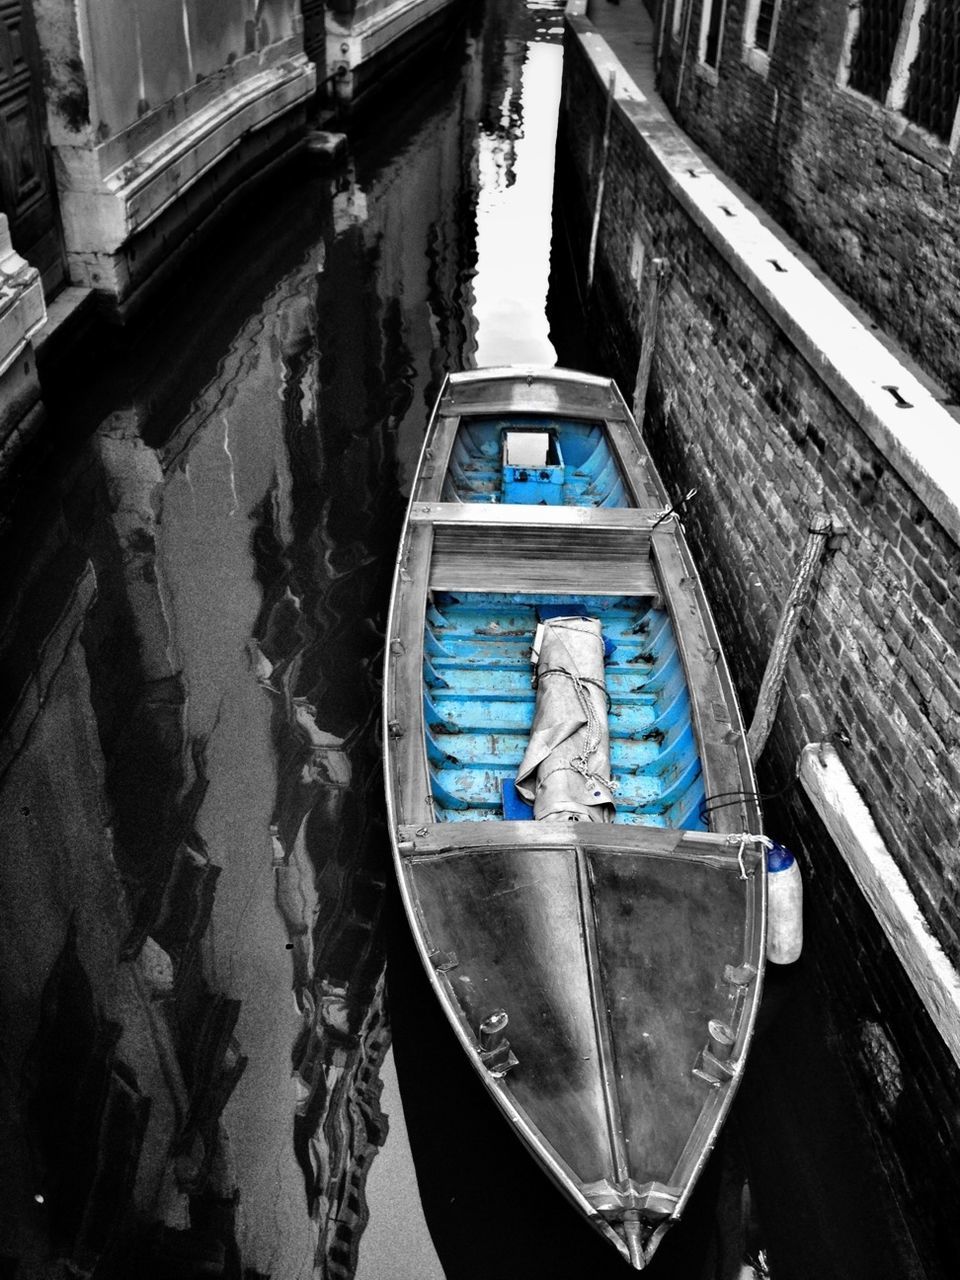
[(779, 858)]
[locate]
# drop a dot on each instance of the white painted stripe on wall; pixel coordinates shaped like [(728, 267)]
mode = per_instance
[(853, 831)]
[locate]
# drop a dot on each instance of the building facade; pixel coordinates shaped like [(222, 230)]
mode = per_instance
[(155, 113), (128, 127), (842, 121)]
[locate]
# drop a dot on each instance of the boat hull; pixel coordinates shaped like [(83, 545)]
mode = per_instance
[(602, 977)]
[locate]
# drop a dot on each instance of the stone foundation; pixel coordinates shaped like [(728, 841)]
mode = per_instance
[(195, 101)]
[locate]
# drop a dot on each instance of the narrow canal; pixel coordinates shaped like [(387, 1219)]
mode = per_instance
[(209, 1065)]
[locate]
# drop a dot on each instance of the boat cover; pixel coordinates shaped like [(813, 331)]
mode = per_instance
[(565, 771)]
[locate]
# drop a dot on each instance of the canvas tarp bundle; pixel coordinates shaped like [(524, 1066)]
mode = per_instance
[(565, 771)]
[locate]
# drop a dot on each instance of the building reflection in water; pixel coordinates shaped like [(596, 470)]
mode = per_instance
[(195, 857), (195, 862)]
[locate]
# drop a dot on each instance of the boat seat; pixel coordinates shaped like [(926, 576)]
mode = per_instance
[(540, 549)]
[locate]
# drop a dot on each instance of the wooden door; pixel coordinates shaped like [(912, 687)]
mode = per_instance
[(27, 192)]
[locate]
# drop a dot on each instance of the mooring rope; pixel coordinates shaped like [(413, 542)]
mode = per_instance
[(742, 839)]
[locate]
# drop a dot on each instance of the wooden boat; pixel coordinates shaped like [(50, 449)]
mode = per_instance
[(603, 976)]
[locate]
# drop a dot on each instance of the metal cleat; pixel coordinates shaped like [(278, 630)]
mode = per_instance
[(495, 1052)]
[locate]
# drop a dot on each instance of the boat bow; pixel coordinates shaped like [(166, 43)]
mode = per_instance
[(622, 975)]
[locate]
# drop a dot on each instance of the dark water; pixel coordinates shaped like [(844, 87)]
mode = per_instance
[(198, 1071)]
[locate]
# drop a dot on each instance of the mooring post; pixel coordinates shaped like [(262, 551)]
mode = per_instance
[(601, 180), (820, 529), (649, 304), (683, 57)]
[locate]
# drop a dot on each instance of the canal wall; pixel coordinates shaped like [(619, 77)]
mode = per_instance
[(777, 400), (92, 1087), (367, 42)]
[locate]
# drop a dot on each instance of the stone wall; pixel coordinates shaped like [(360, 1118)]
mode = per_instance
[(132, 58), (753, 407), (869, 194), (22, 314), (155, 109)]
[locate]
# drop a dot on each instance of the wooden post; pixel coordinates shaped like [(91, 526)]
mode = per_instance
[(649, 305), (772, 684), (601, 181), (683, 56)]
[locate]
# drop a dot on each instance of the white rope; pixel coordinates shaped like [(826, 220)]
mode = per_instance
[(742, 839)]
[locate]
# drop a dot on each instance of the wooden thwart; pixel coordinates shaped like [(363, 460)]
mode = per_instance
[(536, 571), (542, 554), (432, 839)]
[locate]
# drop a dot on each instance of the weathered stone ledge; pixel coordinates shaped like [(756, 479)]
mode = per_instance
[(104, 202), (853, 831), (22, 310)]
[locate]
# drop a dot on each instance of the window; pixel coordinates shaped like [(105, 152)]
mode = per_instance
[(759, 33), (933, 88), (677, 19), (905, 54), (874, 44), (761, 24), (711, 32)]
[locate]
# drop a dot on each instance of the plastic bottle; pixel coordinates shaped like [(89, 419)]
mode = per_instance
[(784, 906)]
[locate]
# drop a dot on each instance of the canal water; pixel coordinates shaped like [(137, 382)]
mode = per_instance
[(219, 1055)]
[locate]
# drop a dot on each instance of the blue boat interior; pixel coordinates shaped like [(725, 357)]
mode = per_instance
[(479, 704), (536, 460)]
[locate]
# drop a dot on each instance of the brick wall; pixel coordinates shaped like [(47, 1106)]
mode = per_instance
[(736, 411), (872, 198)]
